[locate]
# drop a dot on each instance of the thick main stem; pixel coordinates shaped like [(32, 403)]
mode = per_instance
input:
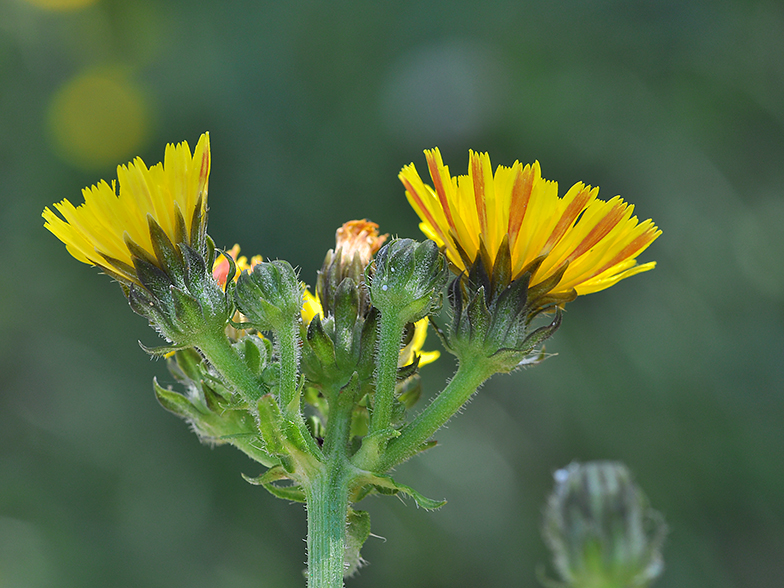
[(337, 434), (327, 499), (327, 495), (468, 378)]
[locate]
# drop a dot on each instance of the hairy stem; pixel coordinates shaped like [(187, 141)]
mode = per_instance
[(288, 349), (465, 382), (218, 350), (327, 500)]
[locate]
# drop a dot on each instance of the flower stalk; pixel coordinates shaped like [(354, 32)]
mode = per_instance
[(389, 344), (466, 381), (237, 374)]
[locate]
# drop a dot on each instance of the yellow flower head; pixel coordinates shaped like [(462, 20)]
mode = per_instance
[(591, 244), (110, 229)]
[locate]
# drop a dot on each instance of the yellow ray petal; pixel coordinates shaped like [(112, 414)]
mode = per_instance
[(95, 232), (593, 242)]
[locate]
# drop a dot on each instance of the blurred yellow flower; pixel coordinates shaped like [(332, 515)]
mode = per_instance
[(99, 117), (312, 307), (220, 267), (109, 229), (61, 5), (592, 243), (415, 347)]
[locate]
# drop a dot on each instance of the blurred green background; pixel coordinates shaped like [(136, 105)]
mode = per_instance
[(313, 107)]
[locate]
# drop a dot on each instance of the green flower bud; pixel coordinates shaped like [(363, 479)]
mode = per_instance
[(335, 347), (601, 530), (356, 242), (269, 296), (340, 339), (408, 279)]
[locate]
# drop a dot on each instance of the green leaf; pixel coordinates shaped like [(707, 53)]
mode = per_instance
[(161, 351), (273, 474), (357, 532), (294, 492), (409, 391), (175, 402), (189, 362), (270, 424), (253, 352), (386, 485), (345, 312), (302, 441), (502, 268), (166, 252), (320, 342)]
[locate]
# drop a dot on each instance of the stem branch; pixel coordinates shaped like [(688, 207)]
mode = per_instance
[(288, 348), (465, 382), (217, 349)]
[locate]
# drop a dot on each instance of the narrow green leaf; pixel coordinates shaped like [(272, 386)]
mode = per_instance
[(175, 402), (387, 485), (161, 351), (270, 424), (357, 532)]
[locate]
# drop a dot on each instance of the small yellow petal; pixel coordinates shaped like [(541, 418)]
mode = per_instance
[(311, 307)]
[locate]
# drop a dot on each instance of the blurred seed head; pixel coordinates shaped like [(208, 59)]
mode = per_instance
[(600, 528)]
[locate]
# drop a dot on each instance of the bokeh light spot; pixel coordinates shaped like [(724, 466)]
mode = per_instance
[(61, 5), (98, 118), (444, 93)]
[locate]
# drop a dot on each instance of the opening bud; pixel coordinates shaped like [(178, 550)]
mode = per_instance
[(356, 242)]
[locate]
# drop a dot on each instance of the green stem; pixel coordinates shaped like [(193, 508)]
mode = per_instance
[(327, 494), (336, 437), (465, 382), (288, 348), (289, 401), (327, 499), (217, 349), (387, 356)]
